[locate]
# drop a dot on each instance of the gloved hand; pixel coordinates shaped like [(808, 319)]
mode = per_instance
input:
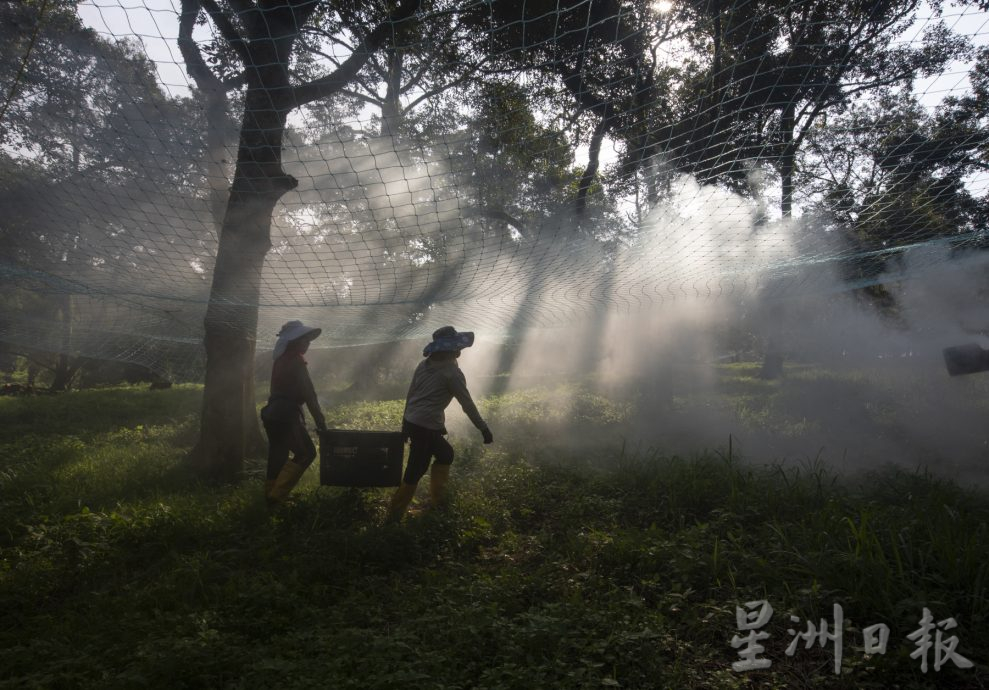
[(486, 433)]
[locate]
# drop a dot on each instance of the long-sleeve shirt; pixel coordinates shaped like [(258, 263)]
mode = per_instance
[(434, 386), (290, 381)]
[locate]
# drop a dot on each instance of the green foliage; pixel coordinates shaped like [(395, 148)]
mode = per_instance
[(92, 412), (564, 404), (368, 416), (118, 568)]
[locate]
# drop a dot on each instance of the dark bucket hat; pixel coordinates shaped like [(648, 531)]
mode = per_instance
[(447, 339)]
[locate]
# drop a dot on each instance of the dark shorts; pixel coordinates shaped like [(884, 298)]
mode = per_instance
[(425, 444), (287, 436)]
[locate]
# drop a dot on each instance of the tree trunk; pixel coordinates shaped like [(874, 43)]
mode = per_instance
[(231, 327), (216, 140), (232, 315), (772, 361), (591, 171), (773, 357), (65, 370), (787, 157), (216, 151), (391, 108)]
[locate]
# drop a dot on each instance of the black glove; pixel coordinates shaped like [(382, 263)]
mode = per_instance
[(486, 433)]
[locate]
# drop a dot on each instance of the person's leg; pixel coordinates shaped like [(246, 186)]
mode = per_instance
[(303, 448), (419, 454), (400, 501), (278, 450), (439, 473), (303, 453)]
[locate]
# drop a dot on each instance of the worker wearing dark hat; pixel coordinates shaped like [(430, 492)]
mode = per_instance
[(436, 382), (283, 419)]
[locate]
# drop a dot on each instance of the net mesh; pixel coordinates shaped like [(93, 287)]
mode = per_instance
[(493, 165)]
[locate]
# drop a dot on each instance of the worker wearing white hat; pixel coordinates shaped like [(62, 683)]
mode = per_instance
[(283, 418)]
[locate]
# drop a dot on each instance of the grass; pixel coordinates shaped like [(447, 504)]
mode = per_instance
[(554, 567)]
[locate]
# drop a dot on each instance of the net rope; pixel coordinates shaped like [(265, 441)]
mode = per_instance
[(543, 166)]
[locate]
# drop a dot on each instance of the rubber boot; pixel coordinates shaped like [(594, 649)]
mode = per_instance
[(287, 479), (400, 501), (439, 475)]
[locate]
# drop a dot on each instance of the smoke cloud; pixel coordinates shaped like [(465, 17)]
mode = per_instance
[(674, 328)]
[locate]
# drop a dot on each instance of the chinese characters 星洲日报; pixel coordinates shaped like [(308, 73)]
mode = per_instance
[(755, 615)]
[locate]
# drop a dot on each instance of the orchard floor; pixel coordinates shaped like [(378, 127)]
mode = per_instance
[(557, 565)]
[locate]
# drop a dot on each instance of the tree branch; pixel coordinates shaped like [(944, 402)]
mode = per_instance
[(381, 72), (226, 28), (336, 40), (574, 81), (497, 214), (195, 65), (440, 89), (242, 7), (360, 96), (326, 56), (234, 82), (411, 82), (339, 78)]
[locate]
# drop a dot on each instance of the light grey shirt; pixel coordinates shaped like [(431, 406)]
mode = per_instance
[(434, 385)]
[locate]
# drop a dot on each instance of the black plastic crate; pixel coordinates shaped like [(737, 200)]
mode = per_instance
[(966, 359), (360, 458)]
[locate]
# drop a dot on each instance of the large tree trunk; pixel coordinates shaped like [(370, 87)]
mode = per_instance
[(216, 138), (231, 325), (232, 314), (214, 92)]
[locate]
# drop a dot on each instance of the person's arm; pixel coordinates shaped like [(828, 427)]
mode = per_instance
[(458, 386), (309, 395)]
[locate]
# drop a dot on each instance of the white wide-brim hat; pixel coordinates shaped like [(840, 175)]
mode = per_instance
[(293, 330)]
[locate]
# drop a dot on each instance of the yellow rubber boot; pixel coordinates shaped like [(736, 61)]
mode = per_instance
[(400, 501), (439, 475), (287, 479)]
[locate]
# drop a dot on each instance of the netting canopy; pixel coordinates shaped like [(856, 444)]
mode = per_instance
[(495, 165)]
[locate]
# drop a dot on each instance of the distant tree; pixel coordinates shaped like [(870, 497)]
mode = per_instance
[(776, 67), (602, 54), (85, 126), (888, 172), (417, 64)]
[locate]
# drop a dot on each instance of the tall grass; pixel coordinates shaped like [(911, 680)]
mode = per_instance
[(554, 567)]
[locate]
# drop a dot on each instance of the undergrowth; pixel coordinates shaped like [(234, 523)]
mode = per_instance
[(552, 568)]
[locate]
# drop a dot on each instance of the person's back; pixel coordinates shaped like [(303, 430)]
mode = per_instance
[(436, 381)]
